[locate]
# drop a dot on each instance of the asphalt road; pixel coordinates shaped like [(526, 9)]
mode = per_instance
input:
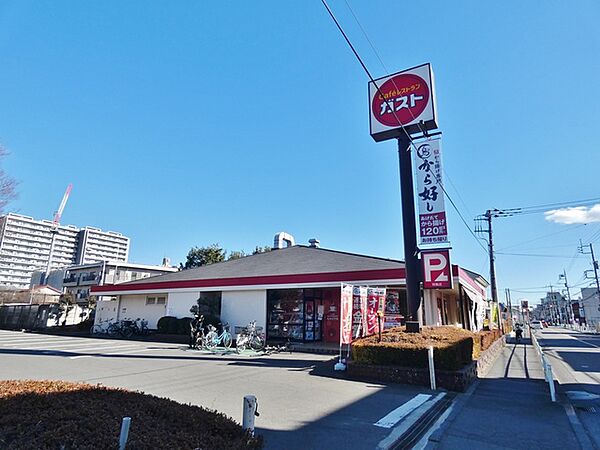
[(575, 360), (303, 403)]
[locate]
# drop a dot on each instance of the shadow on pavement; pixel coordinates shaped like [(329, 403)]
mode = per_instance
[(314, 366), (511, 408), (350, 427)]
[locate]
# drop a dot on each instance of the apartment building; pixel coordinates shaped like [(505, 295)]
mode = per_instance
[(25, 247), (97, 245), (80, 278)]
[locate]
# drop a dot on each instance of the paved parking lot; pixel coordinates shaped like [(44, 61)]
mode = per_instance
[(303, 403)]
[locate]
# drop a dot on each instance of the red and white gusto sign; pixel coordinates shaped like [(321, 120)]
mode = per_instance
[(437, 271), (405, 99)]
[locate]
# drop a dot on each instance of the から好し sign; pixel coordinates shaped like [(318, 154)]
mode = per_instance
[(433, 228), (405, 99)]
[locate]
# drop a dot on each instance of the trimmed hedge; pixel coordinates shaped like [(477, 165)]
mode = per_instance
[(62, 415), (167, 325), (452, 348), (173, 325), (482, 340)]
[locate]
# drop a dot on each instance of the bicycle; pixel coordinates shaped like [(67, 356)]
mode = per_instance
[(101, 327), (213, 339), (250, 338), (197, 332)]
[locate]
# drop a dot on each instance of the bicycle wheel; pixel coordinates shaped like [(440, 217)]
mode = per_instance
[(96, 329), (257, 343), (241, 343), (211, 339), (127, 332), (113, 330), (227, 339)]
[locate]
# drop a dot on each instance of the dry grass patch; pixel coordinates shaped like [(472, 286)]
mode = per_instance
[(61, 415)]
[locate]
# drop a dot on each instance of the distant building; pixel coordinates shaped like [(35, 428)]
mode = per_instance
[(25, 247), (79, 279), (589, 306), (37, 295)]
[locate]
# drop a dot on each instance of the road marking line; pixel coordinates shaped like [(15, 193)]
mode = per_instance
[(83, 344), (12, 341), (402, 411), (108, 355)]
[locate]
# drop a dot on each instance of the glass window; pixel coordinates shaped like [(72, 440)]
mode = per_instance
[(150, 300), (285, 309), (161, 300)]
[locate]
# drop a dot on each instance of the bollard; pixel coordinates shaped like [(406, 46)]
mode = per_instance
[(431, 369), (124, 432), (250, 411)]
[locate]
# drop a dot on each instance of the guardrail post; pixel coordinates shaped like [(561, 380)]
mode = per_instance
[(551, 382), (431, 369), (124, 432)]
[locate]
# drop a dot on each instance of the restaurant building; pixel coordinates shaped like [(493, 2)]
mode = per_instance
[(292, 292)]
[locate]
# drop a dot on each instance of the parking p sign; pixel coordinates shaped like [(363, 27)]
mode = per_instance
[(437, 271)]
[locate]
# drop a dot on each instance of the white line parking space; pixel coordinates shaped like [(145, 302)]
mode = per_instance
[(79, 347)]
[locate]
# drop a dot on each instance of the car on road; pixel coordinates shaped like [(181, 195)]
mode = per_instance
[(536, 325)]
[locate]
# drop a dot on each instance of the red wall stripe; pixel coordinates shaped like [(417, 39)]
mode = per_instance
[(380, 274)]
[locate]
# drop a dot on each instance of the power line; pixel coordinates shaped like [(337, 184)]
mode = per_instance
[(544, 236), (536, 255), (535, 209)]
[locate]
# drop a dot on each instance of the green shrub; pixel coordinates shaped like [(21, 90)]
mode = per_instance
[(453, 348), (167, 325), (183, 325)]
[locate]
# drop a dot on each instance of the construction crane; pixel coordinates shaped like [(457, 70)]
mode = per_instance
[(54, 229)]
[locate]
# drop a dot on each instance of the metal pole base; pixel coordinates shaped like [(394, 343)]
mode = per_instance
[(413, 326)]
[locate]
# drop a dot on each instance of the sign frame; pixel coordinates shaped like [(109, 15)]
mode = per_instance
[(381, 132), (435, 282)]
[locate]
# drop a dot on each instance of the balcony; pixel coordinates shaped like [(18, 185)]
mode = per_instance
[(70, 279)]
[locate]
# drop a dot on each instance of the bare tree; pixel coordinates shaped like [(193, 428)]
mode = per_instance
[(8, 185)]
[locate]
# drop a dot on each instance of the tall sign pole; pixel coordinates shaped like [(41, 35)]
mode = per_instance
[(409, 229), (402, 107)]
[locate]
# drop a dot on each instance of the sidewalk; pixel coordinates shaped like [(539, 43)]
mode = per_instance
[(509, 408)]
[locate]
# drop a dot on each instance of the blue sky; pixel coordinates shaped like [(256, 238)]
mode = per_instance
[(188, 123)]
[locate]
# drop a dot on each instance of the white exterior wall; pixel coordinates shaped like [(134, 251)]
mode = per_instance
[(179, 303), (105, 310), (238, 308), (590, 302), (134, 307)]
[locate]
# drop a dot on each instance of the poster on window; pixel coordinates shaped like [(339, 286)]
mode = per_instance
[(393, 316), (359, 311), (375, 303), (346, 314), (433, 228)]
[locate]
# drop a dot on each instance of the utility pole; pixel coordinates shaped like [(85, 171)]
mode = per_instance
[(488, 215), (487, 218), (510, 311), (563, 276)]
